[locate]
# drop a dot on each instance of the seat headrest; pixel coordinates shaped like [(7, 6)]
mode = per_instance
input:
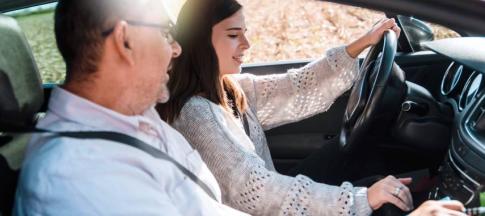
[(21, 93)]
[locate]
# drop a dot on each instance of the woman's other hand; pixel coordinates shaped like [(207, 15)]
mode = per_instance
[(373, 36), (391, 190), (441, 208)]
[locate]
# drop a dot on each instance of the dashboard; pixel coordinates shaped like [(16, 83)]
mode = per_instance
[(462, 174)]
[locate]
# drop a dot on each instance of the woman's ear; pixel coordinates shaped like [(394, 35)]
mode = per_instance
[(123, 42)]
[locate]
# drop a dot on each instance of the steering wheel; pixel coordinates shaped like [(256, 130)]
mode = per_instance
[(368, 98)]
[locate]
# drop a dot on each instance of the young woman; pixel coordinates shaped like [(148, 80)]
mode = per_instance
[(223, 115)]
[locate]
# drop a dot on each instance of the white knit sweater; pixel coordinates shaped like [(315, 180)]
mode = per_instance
[(243, 165)]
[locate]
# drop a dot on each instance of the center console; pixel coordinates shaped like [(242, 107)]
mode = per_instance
[(462, 174)]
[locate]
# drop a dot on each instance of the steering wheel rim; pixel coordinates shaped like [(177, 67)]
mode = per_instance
[(367, 94)]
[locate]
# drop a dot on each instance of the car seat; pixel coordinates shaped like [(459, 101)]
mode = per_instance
[(21, 97)]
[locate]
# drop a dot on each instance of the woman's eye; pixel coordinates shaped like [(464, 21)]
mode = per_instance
[(232, 36)]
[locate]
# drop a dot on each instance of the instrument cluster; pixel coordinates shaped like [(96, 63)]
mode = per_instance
[(461, 84)]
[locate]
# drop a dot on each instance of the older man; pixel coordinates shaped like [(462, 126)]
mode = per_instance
[(117, 54)]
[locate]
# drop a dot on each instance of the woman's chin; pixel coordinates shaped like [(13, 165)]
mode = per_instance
[(238, 69), (234, 71)]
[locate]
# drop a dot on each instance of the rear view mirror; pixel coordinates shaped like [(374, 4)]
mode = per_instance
[(416, 31)]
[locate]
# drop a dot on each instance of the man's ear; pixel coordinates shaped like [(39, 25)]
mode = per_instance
[(123, 42)]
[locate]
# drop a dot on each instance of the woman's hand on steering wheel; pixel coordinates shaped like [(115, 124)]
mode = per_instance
[(391, 190), (373, 36), (376, 32)]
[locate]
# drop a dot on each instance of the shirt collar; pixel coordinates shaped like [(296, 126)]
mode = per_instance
[(80, 110)]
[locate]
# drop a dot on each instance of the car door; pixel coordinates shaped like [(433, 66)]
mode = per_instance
[(291, 143)]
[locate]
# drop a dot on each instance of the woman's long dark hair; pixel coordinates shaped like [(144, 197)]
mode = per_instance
[(196, 70)]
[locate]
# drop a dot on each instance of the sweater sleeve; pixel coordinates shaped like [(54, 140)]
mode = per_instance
[(245, 182), (300, 93)]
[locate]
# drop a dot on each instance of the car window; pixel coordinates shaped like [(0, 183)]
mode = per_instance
[(289, 30), (441, 32), (276, 31), (38, 25)]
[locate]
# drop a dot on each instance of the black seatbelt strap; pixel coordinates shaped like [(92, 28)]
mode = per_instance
[(133, 142)]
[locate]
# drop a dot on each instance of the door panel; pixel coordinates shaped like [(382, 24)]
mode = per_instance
[(293, 142)]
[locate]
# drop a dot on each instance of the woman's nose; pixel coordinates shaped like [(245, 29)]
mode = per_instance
[(245, 43)]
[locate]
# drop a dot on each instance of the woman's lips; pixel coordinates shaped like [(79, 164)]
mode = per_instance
[(238, 59)]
